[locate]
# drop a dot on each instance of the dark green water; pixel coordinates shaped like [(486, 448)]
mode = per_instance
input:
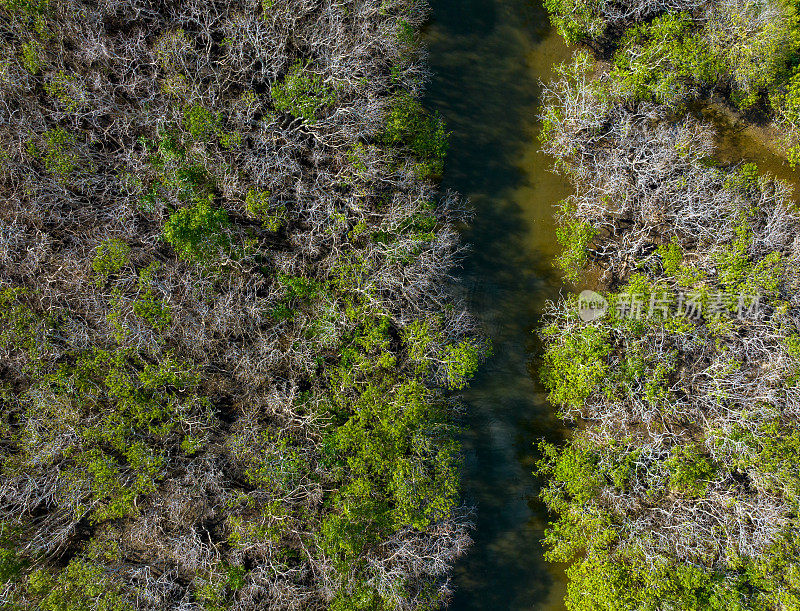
[(487, 57)]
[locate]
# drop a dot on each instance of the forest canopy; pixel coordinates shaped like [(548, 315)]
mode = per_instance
[(678, 488), (227, 333)]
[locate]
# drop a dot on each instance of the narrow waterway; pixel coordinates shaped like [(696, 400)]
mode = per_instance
[(487, 57)]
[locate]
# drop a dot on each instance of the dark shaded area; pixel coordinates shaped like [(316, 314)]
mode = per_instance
[(485, 86)]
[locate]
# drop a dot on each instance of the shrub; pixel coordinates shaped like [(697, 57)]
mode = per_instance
[(664, 60), (754, 41), (171, 48), (197, 233), (33, 56), (576, 20), (574, 363), (258, 206), (201, 123), (408, 124), (302, 94), (574, 236), (81, 586), (110, 257), (59, 155), (68, 90), (689, 471)]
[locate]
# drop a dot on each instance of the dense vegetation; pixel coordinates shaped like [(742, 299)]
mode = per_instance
[(680, 487), (226, 332)]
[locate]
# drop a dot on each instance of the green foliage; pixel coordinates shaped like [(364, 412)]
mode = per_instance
[(787, 104), (11, 562), (409, 125), (733, 264), (197, 233), (463, 359), (574, 363), (119, 413), (754, 50), (396, 474), (301, 288), (259, 207), (204, 125), (178, 174), (59, 155), (200, 122), (67, 89), (671, 257), (157, 314), (662, 60), (363, 598), (33, 56), (110, 257), (745, 178), (574, 236), (82, 586), (302, 94), (574, 472), (573, 483), (689, 471), (22, 328), (27, 8), (774, 453), (391, 447), (604, 584), (575, 20), (170, 49)]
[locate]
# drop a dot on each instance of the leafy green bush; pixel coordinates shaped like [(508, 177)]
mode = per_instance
[(33, 56), (408, 124), (574, 365), (81, 586), (201, 123), (170, 49), (302, 94), (67, 89), (576, 20), (197, 233), (663, 60), (110, 257), (574, 236), (258, 206), (59, 155), (755, 44), (689, 471), (463, 359)]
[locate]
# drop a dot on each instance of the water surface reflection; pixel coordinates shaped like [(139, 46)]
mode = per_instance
[(487, 57)]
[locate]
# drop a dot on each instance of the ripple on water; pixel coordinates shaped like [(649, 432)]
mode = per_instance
[(487, 57)]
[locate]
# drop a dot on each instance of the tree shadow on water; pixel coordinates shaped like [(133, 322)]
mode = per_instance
[(487, 92)]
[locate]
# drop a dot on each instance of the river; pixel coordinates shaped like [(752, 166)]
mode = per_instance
[(487, 57)]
